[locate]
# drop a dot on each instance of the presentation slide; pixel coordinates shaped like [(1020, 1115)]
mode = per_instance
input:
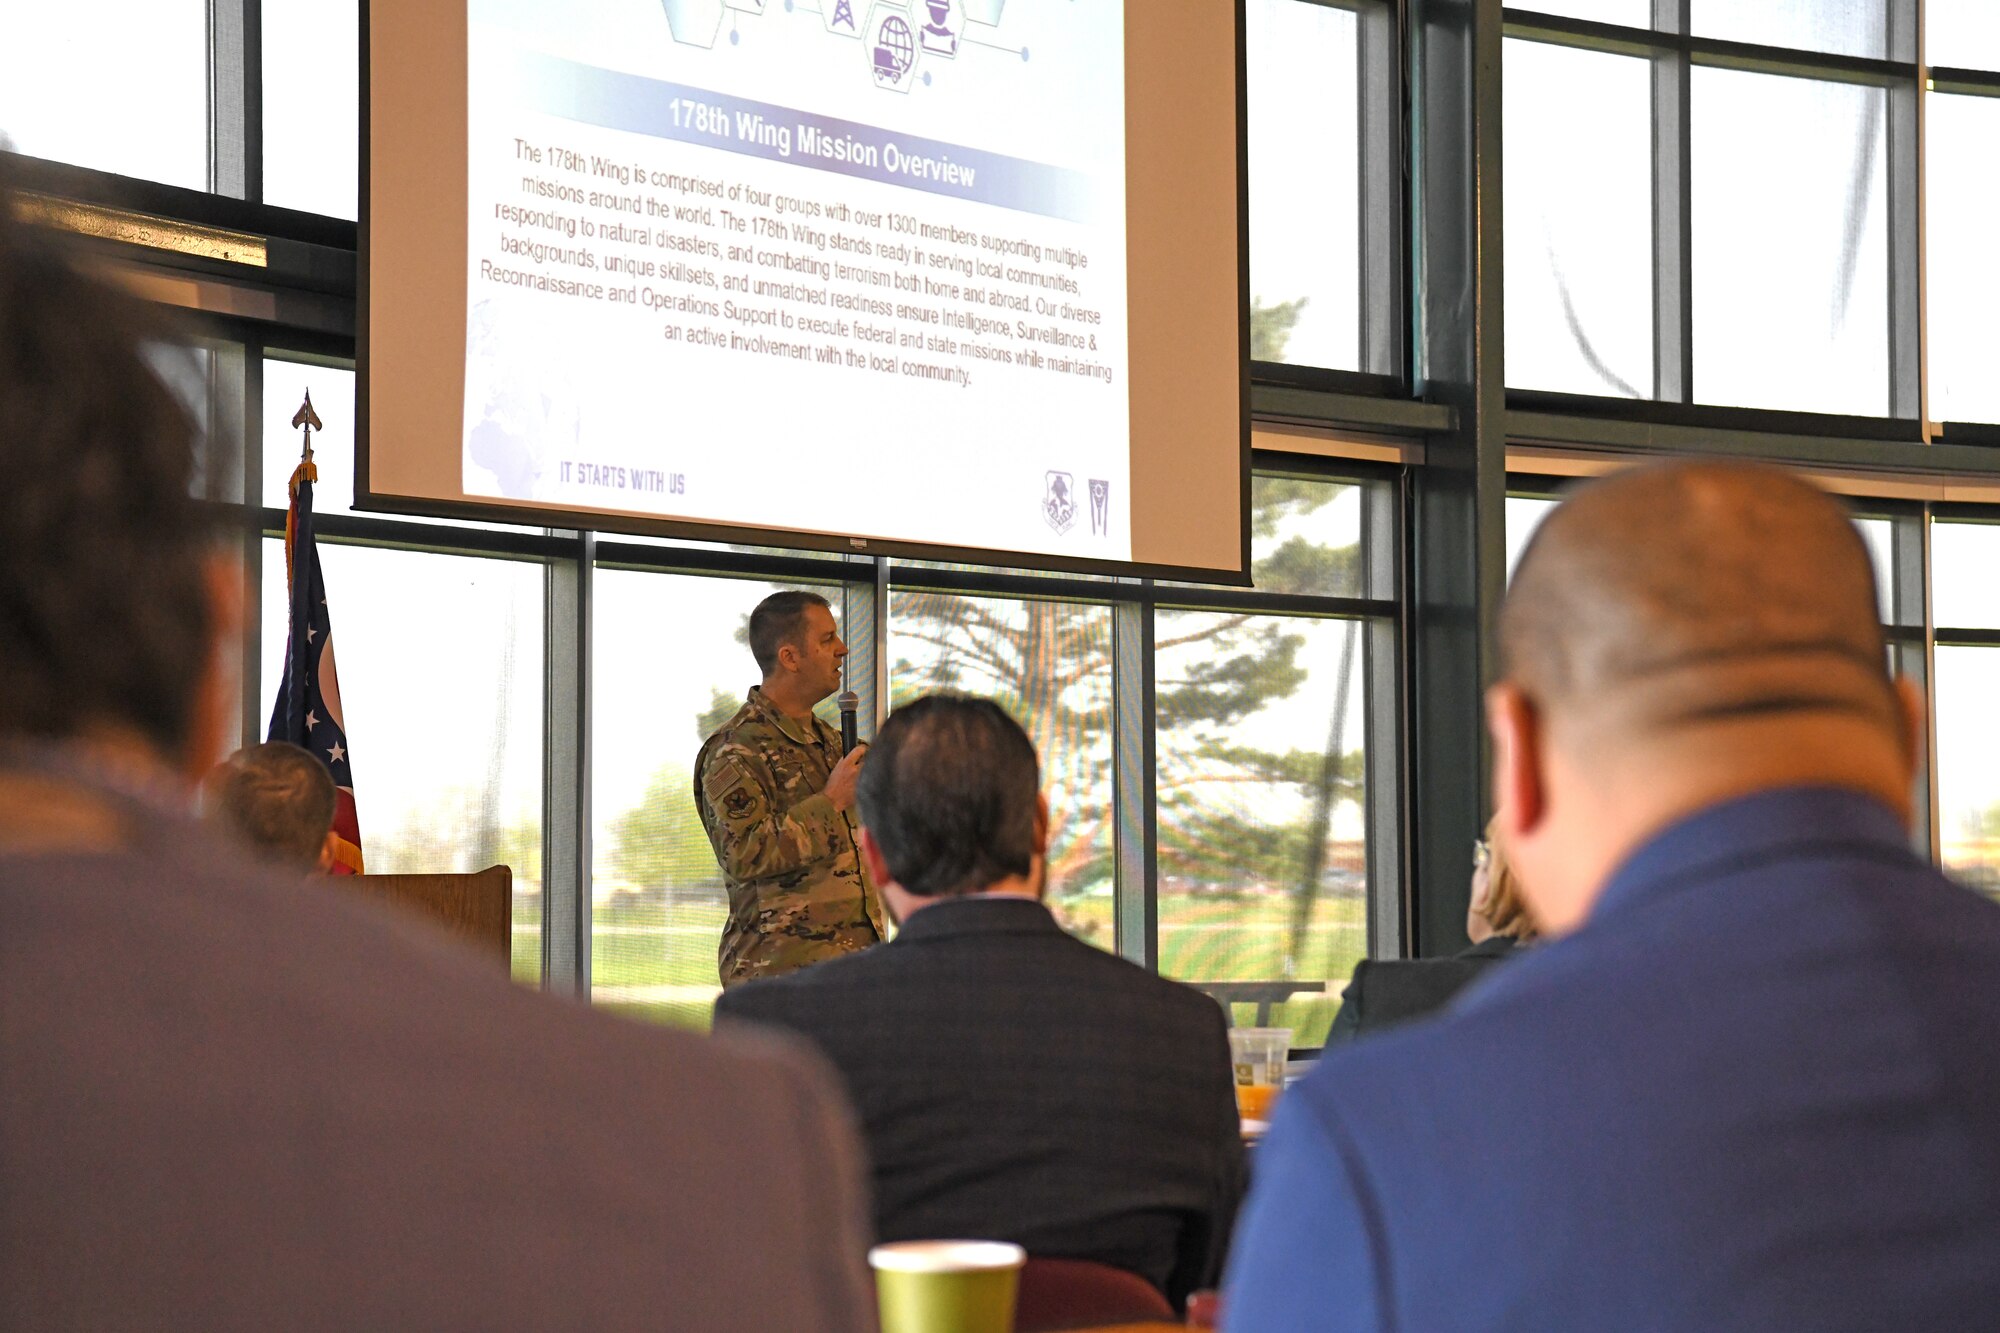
[(893, 236), (955, 280)]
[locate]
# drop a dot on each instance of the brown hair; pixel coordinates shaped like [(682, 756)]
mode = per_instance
[(276, 799), (104, 610), (780, 619)]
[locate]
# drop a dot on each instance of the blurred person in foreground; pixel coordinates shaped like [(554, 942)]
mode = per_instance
[(229, 1105), (1386, 992), (277, 802), (1749, 1080), (1014, 1083)]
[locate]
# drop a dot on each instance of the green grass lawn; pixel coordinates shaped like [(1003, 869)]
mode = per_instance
[(657, 962)]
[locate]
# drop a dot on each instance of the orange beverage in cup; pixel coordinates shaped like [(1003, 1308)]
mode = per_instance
[(1253, 1100)]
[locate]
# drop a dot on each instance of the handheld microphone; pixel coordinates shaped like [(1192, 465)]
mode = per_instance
[(849, 701)]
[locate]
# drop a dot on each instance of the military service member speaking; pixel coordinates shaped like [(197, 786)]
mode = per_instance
[(777, 799)]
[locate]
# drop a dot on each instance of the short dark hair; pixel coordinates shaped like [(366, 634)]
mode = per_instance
[(780, 619), (948, 794), (104, 609), (276, 799)]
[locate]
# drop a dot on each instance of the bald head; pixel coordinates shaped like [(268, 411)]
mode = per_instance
[(1677, 636), (1686, 594)]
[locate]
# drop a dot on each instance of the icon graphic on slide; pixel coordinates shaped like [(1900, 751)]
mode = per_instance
[(940, 35), (694, 22), (1100, 506), (1057, 506), (892, 48), (746, 6), (841, 18)]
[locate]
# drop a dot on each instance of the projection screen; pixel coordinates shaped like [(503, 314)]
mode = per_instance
[(958, 279)]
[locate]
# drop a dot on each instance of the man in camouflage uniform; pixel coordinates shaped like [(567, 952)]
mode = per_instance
[(777, 800)]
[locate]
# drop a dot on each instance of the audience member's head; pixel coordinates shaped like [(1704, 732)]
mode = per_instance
[(1496, 907), (1677, 635), (951, 804), (110, 604), (276, 800)]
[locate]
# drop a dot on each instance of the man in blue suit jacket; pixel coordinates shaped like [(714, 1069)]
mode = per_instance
[(1753, 1082)]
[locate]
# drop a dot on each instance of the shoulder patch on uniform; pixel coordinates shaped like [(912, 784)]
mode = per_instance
[(732, 788)]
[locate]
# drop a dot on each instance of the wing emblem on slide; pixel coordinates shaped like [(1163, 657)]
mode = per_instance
[(1059, 501)]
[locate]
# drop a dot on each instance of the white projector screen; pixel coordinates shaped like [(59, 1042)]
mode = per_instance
[(960, 279)]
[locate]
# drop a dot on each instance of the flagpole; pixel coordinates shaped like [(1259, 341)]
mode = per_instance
[(307, 711)]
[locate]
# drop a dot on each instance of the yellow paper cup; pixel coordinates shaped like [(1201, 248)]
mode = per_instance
[(947, 1286)]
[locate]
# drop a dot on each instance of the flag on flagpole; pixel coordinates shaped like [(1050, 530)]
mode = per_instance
[(307, 712)]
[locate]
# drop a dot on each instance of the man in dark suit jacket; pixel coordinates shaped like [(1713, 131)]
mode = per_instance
[(1750, 1082), (233, 1102), (1013, 1082), (1388, 992)]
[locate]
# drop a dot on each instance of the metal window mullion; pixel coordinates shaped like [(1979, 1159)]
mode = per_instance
[(1904, 142), (1458, 555), (884, 685), (251, 496), (1135, 770), (1383, 731), (1913, 602), (1673, 212), (566, 832), (1920, 226), (235, 62), (863, 626), (1378, 87)]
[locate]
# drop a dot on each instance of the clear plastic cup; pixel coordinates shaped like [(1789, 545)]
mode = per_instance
[(1258, 1055)]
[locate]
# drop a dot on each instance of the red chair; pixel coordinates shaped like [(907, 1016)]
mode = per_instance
[(1075, 1293)]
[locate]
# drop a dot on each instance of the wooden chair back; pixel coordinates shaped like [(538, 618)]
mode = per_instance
[(1076, 1293)]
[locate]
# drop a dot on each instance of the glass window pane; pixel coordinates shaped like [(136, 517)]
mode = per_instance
[(1963, 34), (1579, 206), (109, 84), (1791, 271), (312, 78), (286, 384), (1305, 537), (440, 661), (1879, 536), (1261, 800), (1630, 13), (671, 663), (1048, 664), (1964, 263), (1967, 703), (1841, 27), (1524, 515), (1305, 246), (1964, 592)]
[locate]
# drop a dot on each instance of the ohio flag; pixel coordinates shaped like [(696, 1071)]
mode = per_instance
[(307, 712)]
